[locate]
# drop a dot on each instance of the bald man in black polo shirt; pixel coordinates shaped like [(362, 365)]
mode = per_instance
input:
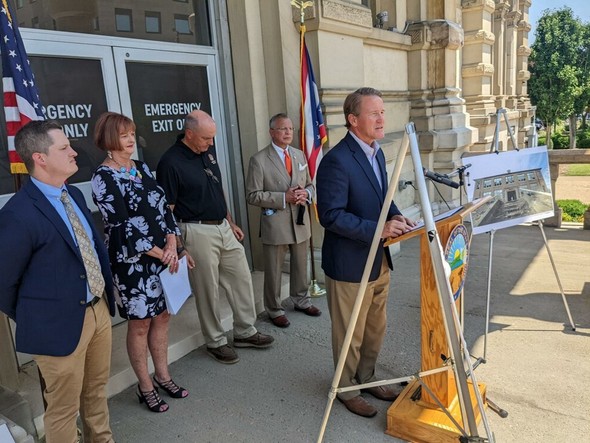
[(190, 175)]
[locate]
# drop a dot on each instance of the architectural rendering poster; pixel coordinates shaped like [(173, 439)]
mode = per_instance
[(519, 184)]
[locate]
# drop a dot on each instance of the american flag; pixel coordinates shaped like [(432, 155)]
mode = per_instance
[(21, 99), (313, 130)]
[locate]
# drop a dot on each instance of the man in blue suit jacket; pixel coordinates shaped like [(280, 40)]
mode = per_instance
[(45, 290), (351, 188)]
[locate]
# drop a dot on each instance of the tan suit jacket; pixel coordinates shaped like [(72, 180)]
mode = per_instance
[(266, 185)]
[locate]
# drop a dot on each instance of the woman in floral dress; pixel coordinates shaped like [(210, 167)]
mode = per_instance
[(141, 238)]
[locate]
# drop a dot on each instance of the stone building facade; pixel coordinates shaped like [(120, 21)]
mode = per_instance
[(446, 65)]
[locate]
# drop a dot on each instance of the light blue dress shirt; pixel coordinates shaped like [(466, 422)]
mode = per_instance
[(371, 153)]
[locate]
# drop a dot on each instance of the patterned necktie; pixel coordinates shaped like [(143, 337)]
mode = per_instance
[(91, 264), (288, 163)]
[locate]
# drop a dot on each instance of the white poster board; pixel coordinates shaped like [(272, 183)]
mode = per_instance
[(519, 183)]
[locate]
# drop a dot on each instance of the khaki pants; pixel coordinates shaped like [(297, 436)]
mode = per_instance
[(77, 382), (220, 262), (274, 257), (369, 331)]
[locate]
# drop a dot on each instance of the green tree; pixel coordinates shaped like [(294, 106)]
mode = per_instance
[(554, 66), (582, 103)]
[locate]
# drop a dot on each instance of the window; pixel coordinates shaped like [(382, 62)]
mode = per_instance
[(152, 22), (181, 25), (123, 20), (35, 22), (487, 184), (530, 176), (181, 1), (509, 179), (19, 4), (498, 181), (521, 178)]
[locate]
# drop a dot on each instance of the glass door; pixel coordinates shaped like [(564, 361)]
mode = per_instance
[(158, 88)]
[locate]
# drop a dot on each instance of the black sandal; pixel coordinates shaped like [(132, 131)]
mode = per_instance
[(152, 400), (171, 388)]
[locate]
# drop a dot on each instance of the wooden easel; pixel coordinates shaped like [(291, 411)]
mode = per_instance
[(418, 414), (458, 360)]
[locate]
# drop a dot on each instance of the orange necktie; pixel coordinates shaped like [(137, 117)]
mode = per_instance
[(288, 163)]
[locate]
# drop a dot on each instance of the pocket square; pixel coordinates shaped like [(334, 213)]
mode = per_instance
[(302, 167)]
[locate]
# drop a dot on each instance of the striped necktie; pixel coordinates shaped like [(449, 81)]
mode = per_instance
[(91, 264)]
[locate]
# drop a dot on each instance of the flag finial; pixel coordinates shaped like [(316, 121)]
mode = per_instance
[(302, 5)]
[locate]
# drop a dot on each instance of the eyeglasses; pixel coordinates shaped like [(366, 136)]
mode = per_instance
[(210, 174), (283, 129)]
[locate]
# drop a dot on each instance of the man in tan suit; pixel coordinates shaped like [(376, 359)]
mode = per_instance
[(279, 182)]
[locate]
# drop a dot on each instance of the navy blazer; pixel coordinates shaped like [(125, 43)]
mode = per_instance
[(349, 201), (43, 286)]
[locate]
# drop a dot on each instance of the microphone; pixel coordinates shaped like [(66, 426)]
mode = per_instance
[(440, 178), (459, 170), (300, 214)]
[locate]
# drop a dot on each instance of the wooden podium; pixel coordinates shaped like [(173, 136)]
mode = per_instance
[(415, 416)]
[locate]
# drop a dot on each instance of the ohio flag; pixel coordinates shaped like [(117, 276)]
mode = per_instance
[(21, 99), (313, 130)]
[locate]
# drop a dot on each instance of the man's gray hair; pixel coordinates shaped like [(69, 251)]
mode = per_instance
[(274, 118)]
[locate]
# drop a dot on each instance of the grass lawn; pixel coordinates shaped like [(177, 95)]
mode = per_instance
[(577, 170)]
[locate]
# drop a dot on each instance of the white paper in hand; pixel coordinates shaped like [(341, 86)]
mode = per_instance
[(5, 435), (176, 286)]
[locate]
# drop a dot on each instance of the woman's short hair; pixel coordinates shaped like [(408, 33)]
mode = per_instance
[(108, 128)]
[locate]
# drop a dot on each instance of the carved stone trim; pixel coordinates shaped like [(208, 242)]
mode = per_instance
[(501, 9), (347, 13), (481, 36), (478, 70), (446, 34), (486, 5), (524, 51), (436, 34), (523, 75), (512, 18), (523, 25)]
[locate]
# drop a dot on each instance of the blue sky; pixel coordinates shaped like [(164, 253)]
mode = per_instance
[(581, 9)]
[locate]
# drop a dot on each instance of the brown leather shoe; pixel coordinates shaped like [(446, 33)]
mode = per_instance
[(281, 321), (382, 393), (312, 311), (359, 406), (256, 340)]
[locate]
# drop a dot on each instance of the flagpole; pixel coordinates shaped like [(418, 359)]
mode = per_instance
[(315, 290)]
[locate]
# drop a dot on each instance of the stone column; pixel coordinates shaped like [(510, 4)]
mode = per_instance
[(502, 8), (512, 19), (477, 68), (523, 75), (438, 111)]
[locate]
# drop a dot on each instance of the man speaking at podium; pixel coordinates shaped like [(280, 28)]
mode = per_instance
[(351, 188)]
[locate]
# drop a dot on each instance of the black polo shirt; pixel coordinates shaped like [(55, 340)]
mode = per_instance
[(192, 183)]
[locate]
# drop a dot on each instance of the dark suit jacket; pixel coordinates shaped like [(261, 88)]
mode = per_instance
[(43, 286), (349, 201)]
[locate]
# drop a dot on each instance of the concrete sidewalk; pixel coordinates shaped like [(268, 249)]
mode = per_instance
[(537, 368)]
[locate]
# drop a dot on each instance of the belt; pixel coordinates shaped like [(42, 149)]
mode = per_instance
[(92, 302), (203, 222)]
